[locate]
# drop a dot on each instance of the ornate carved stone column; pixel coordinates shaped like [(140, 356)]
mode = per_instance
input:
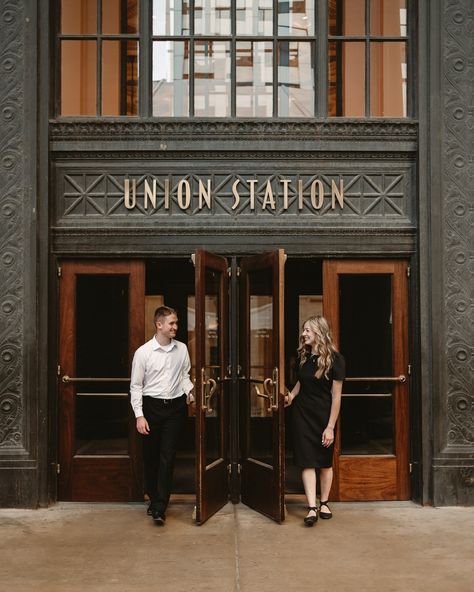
[(453, 223), (18, 390)]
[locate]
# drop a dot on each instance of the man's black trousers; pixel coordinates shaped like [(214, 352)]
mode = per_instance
[(165, 419)]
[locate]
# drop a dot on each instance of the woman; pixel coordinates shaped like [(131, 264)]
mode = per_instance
[(316, 400)]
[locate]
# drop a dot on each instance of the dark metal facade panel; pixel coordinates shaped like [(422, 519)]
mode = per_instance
[(452, 220)]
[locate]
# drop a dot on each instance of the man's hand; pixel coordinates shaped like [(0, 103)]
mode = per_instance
[(142, 426)]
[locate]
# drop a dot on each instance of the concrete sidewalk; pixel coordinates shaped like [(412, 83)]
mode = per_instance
[(380, 547)]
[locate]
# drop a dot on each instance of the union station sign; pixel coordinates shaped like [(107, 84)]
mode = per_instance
[(194, 193)]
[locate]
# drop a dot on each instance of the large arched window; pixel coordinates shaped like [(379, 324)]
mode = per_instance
[(232, 58)]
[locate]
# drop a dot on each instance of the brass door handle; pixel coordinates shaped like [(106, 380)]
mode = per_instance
[(401, 378), (67, 379), (209, 388)]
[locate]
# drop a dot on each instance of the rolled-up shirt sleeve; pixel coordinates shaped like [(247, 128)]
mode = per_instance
[(136, 383)]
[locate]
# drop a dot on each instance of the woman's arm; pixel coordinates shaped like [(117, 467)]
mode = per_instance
[(328, 434), (292, 394)]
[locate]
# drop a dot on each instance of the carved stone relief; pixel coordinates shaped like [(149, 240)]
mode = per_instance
[(11, 224), (458, 215)]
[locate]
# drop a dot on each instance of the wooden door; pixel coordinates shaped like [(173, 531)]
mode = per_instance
[(366, 303), (212, 384), (262, 384), (101, 324)]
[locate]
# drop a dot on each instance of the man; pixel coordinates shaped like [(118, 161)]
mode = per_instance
[(160, 387)]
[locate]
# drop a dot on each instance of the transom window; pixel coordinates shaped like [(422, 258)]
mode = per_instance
[(232, 58)]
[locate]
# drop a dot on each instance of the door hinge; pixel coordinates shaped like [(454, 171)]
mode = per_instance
[(229, 271), (193, 259), (57, 468), (411, 468), (409, 370), (60, 271), (408, 271), (237, 271), (58, 370)]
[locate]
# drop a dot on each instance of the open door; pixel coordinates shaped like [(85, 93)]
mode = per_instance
[(366, 303), (262, 384), (101, 307), (212, 384)]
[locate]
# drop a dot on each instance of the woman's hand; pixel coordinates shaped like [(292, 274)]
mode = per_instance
[(328, 437), (288, 399)]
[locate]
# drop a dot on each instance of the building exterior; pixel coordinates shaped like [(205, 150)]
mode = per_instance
[(180, 152)]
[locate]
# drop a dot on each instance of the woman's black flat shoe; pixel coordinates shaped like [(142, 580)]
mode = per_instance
[(325, 515), (311, 520)]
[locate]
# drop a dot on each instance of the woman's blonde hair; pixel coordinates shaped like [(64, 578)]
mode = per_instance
[(324, 344)]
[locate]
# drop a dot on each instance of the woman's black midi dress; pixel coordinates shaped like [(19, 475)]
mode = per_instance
[(310, 410)]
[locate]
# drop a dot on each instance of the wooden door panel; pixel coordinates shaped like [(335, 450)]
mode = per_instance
[(372, 476), (97, 476), (212, 388), (367, 479), (262, 418)]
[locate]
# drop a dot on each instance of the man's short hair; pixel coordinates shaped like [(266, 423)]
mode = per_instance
[(163, 311)]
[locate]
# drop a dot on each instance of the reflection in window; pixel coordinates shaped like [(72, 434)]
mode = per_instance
[(296, 17), (170, 17), (212, 17), (347, 78), (79, 17), (295, 79), (254, 74), (212, 78), (346, 17), (116, 90), (388, 18), (367, 55), (119, 17), (170, 78), (119, 78), (388, 79), (78, 77), (254, 17)]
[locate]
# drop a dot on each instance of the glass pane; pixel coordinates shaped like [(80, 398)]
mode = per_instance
[(212, 17), (254, 17), (78, 17), (171, 78), (170, 17), (367, 348), (346, 79), (254, 73), (296, 17), (260, 364), (102, 408), (212, 365), (78, 77), (120, 78), (295, 79), (388, 79), (212, 79), (346, 17), (101, 424), (388, 17), (119, 16), (367, 425)]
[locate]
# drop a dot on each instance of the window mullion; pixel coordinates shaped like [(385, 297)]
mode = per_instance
[(367, 58), (275, 58), (191, 58), (321, 59), (98, 108), (145, 52)]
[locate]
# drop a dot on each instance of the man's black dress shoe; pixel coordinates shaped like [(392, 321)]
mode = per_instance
[(158, 517), (148, 510)]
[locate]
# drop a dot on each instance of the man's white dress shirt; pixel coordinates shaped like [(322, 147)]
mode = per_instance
[(160, 371)]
